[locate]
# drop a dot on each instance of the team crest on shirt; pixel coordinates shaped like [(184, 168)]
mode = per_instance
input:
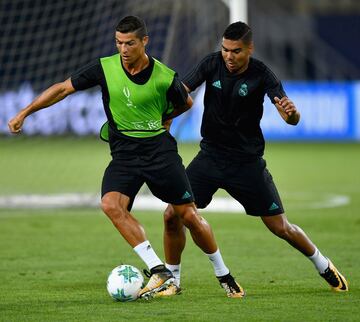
[(243, 90)]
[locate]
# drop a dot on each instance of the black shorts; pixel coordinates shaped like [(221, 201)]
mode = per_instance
[(163, 173), (250, 183)]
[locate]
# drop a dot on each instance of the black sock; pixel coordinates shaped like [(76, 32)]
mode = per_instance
[(157, 269), (225, 278)]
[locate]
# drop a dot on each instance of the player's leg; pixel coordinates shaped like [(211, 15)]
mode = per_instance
[(178, 188), (117, 205), (252, 185), (203, 237), (120, 185), (203, 185), (174, 236), (296, 237), (276, 221), (199, 228), (174, 229), (174, 242)]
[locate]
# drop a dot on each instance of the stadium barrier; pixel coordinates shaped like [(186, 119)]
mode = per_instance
[(330, 111)]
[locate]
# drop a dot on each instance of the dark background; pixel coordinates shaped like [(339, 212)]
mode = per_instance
[(42, 42)]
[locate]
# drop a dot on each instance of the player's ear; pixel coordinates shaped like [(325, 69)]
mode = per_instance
[(251, 48), (145, 40)]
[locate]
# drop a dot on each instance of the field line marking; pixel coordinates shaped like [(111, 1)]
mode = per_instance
[(148, 202)]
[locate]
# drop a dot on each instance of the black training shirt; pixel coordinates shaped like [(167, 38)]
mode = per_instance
[(233, 105)]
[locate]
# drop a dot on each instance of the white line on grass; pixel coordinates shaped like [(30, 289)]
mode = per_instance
[(148, 202)]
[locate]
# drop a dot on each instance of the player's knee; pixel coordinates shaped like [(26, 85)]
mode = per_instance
[(172, 221), (111, 208), (169, 214), (190, 217), (107, 205)]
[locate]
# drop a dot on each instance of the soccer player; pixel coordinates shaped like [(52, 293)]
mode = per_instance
[(232, 148), (139, 95)]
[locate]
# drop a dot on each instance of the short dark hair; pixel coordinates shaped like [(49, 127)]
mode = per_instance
[(238, 31), (132, 24)]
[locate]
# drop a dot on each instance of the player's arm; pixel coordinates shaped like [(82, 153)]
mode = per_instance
[(179, 109), (168, 118), (277, 95), (287, 110), (50, 96), (191, 81), (180, 99), (198, 75)]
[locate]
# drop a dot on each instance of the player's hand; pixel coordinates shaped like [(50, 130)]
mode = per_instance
[(15, 124), (286, 105)]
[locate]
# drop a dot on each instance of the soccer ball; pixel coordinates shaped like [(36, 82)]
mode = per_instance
[(124, 283)]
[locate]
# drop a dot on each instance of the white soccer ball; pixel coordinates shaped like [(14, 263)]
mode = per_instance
[(124, 283)]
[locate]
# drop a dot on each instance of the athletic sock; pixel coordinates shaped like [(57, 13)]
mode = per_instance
[(320, 261), (147, 254), (218, 264), (176, 271)]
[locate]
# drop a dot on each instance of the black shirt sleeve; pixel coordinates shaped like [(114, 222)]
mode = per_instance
[(177, 93), (273, 86), (199, 74), (88, 76)]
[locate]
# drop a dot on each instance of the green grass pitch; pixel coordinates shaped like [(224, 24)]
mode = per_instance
[(54, 262)]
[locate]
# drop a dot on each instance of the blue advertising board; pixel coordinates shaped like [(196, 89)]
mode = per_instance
[(330, 111), (327, 113)]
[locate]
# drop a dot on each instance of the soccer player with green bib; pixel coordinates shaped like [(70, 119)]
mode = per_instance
[(139, 95)]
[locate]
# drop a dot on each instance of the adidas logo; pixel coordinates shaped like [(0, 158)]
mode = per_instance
[(217, 84), (186, 195), (274, 206)]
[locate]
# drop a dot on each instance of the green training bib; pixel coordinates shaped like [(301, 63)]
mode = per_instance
[(137, 110)]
